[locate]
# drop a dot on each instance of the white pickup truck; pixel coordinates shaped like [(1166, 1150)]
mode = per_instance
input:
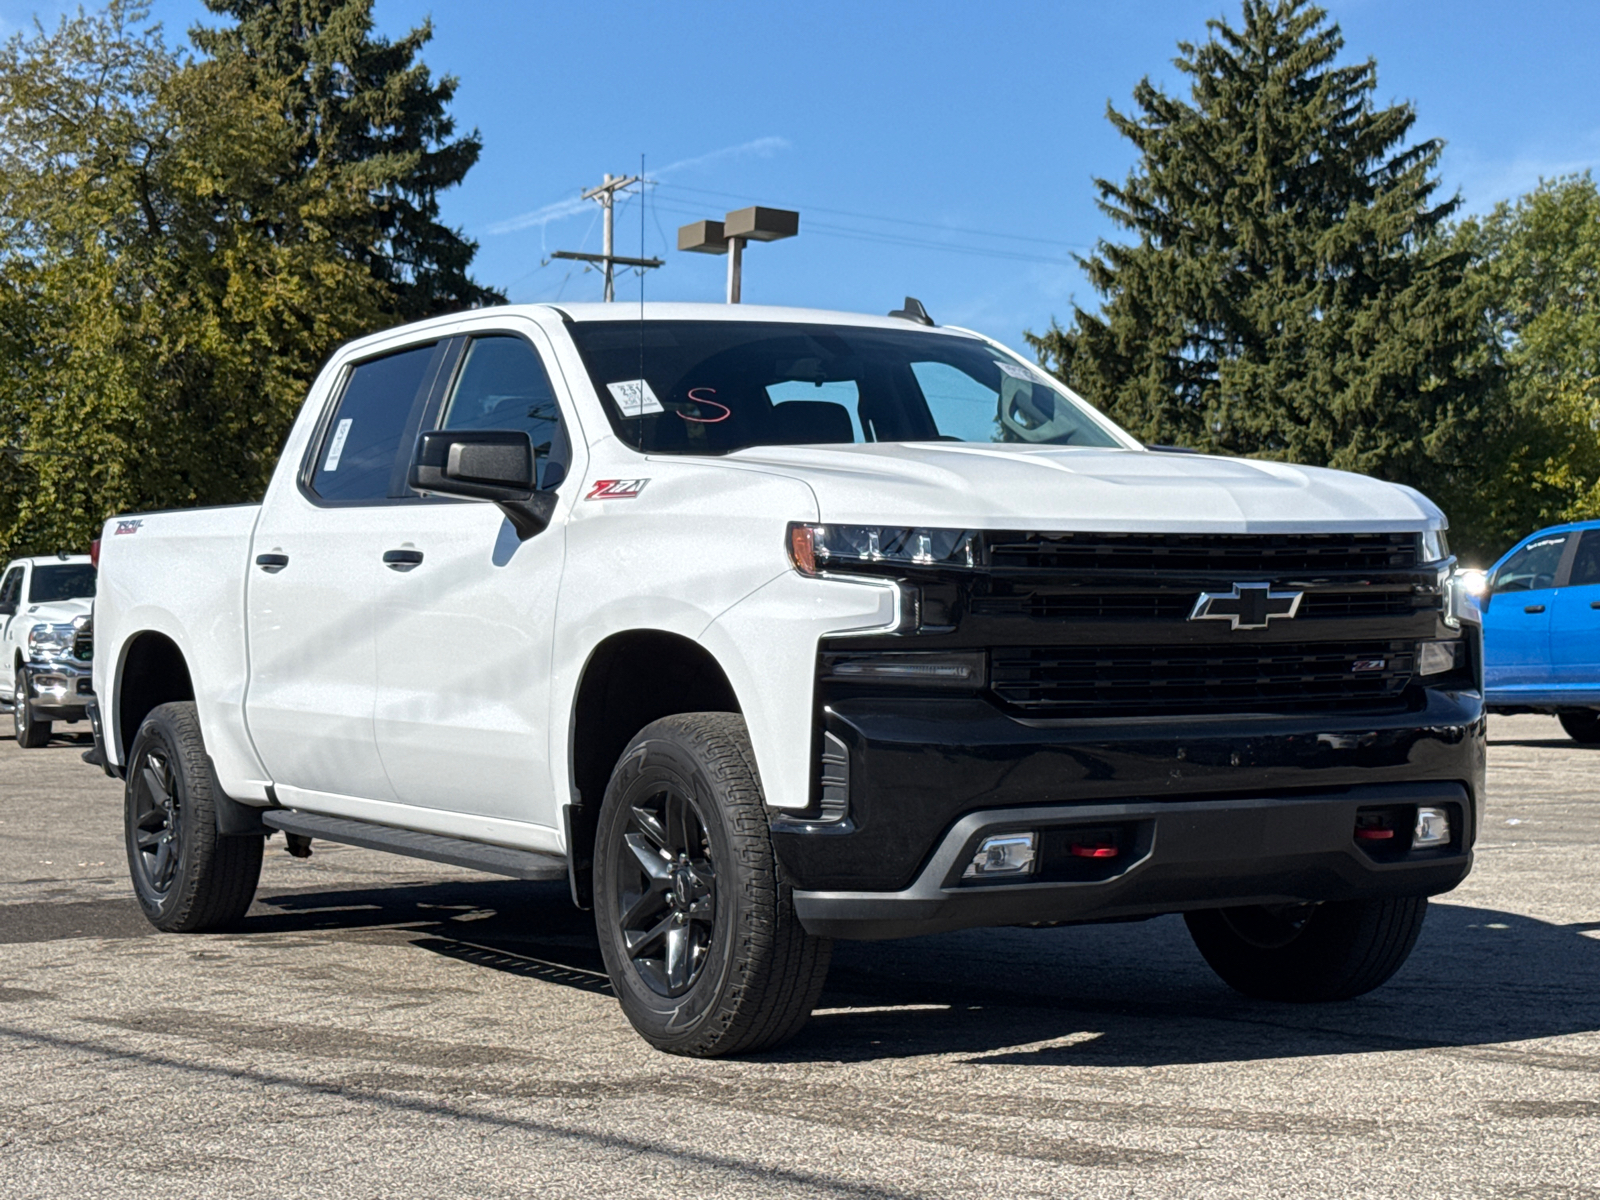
[(45, 643), (765, 627)]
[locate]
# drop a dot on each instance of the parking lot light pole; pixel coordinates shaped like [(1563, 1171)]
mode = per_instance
[(728, 236)]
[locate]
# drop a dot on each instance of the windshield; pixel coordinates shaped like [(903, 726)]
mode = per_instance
[(69, 581), (707, 387)]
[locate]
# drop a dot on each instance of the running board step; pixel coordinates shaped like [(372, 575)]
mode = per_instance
[(458, 852)]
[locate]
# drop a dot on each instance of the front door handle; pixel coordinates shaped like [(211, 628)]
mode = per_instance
[(1594, 604), (272, 563), (401, 560), (1533, 608)]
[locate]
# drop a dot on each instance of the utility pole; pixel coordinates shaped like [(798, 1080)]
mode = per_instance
[(606, 194)]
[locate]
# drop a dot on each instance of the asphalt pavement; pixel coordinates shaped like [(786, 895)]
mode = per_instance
[(382, 1027)]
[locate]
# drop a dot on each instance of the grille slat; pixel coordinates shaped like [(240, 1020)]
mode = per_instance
[(83, 643), (1119, 605), (1175, 680), (1169, 553)]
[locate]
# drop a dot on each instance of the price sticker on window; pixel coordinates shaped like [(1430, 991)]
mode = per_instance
[(634, 397)]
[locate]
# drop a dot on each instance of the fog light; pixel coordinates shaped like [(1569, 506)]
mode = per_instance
[(1009, 854), (1433, 827), (1436, 657)]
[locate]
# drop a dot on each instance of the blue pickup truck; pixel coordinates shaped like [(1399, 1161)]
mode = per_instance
[(1541, 628)]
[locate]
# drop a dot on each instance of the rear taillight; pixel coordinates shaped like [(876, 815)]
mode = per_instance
[(94, 554)]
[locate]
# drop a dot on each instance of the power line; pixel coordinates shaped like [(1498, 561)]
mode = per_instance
[(893, 239), (840, 212)]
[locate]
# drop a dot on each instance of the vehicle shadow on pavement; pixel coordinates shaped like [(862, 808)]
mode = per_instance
[(1106, 995)]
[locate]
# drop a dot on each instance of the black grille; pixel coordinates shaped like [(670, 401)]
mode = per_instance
[(1089, 681), (1252, 556), (83, 643), (1176, 605)]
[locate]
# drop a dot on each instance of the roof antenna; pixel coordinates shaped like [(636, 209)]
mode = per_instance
[(913, 311)]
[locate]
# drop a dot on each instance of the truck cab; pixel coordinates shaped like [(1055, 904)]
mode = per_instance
[(45, 609)]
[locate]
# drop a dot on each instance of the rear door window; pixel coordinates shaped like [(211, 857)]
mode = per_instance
[(502, 384), (357, 457), (1586, 561)]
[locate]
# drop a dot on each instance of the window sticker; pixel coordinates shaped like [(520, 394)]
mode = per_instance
[(336, 447), (1016, 372), (634, 397)]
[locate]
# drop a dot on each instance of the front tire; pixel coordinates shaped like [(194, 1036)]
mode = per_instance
[(1306, 953), (698, 933), (186, 876), (32, 733), (1581, 726)]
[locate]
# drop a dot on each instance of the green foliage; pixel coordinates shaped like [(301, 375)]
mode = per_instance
[(1537, 268), (169, 281), (368, 113), (184, 241), (1289, 292)]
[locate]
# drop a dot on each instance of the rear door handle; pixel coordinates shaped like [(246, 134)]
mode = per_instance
[(272, 563), (1533, 608), (1594, 604), (401, 560)]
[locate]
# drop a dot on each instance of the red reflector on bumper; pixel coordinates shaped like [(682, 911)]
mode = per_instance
[(1083, 851), (1374, 835)]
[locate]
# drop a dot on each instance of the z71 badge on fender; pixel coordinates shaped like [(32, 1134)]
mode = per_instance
[(616, 489)]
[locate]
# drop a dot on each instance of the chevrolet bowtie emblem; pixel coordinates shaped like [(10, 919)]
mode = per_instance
[(1248, 606)]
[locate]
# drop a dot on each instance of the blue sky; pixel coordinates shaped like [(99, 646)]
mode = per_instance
[(936, 149)]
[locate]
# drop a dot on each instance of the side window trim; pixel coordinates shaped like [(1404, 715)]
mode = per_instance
[(319, 436)]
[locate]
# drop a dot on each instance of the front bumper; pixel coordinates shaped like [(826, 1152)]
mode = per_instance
[(1199, 854), (57, 690), (1217, 811)]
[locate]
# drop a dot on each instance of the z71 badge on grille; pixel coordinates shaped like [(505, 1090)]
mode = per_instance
[(1248, 606)]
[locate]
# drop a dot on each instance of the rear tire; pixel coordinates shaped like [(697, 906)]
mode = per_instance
[(698, 932), (1581, 726), (186, 876), (32, 733), (1309, 953)]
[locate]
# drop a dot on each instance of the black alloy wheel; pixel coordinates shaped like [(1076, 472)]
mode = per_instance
[(157, 832), (31, 732), (696, 925), (666, 888), (187, 877)]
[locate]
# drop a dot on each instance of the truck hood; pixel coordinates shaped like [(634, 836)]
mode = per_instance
[(58, 612), (965, 485)]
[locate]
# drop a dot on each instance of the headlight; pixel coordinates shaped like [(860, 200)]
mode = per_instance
[(817, 548), (1435, 548), (51, 641)]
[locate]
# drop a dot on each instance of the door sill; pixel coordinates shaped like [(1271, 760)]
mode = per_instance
[(458, 852)]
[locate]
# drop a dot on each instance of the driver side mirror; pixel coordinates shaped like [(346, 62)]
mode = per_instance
[(485, 464)]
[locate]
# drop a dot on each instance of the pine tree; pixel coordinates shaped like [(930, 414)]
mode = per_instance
[(1288, 292), (368, 110)]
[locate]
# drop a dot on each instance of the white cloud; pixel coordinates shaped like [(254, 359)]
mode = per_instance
[(763, 147), (538, 218)]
